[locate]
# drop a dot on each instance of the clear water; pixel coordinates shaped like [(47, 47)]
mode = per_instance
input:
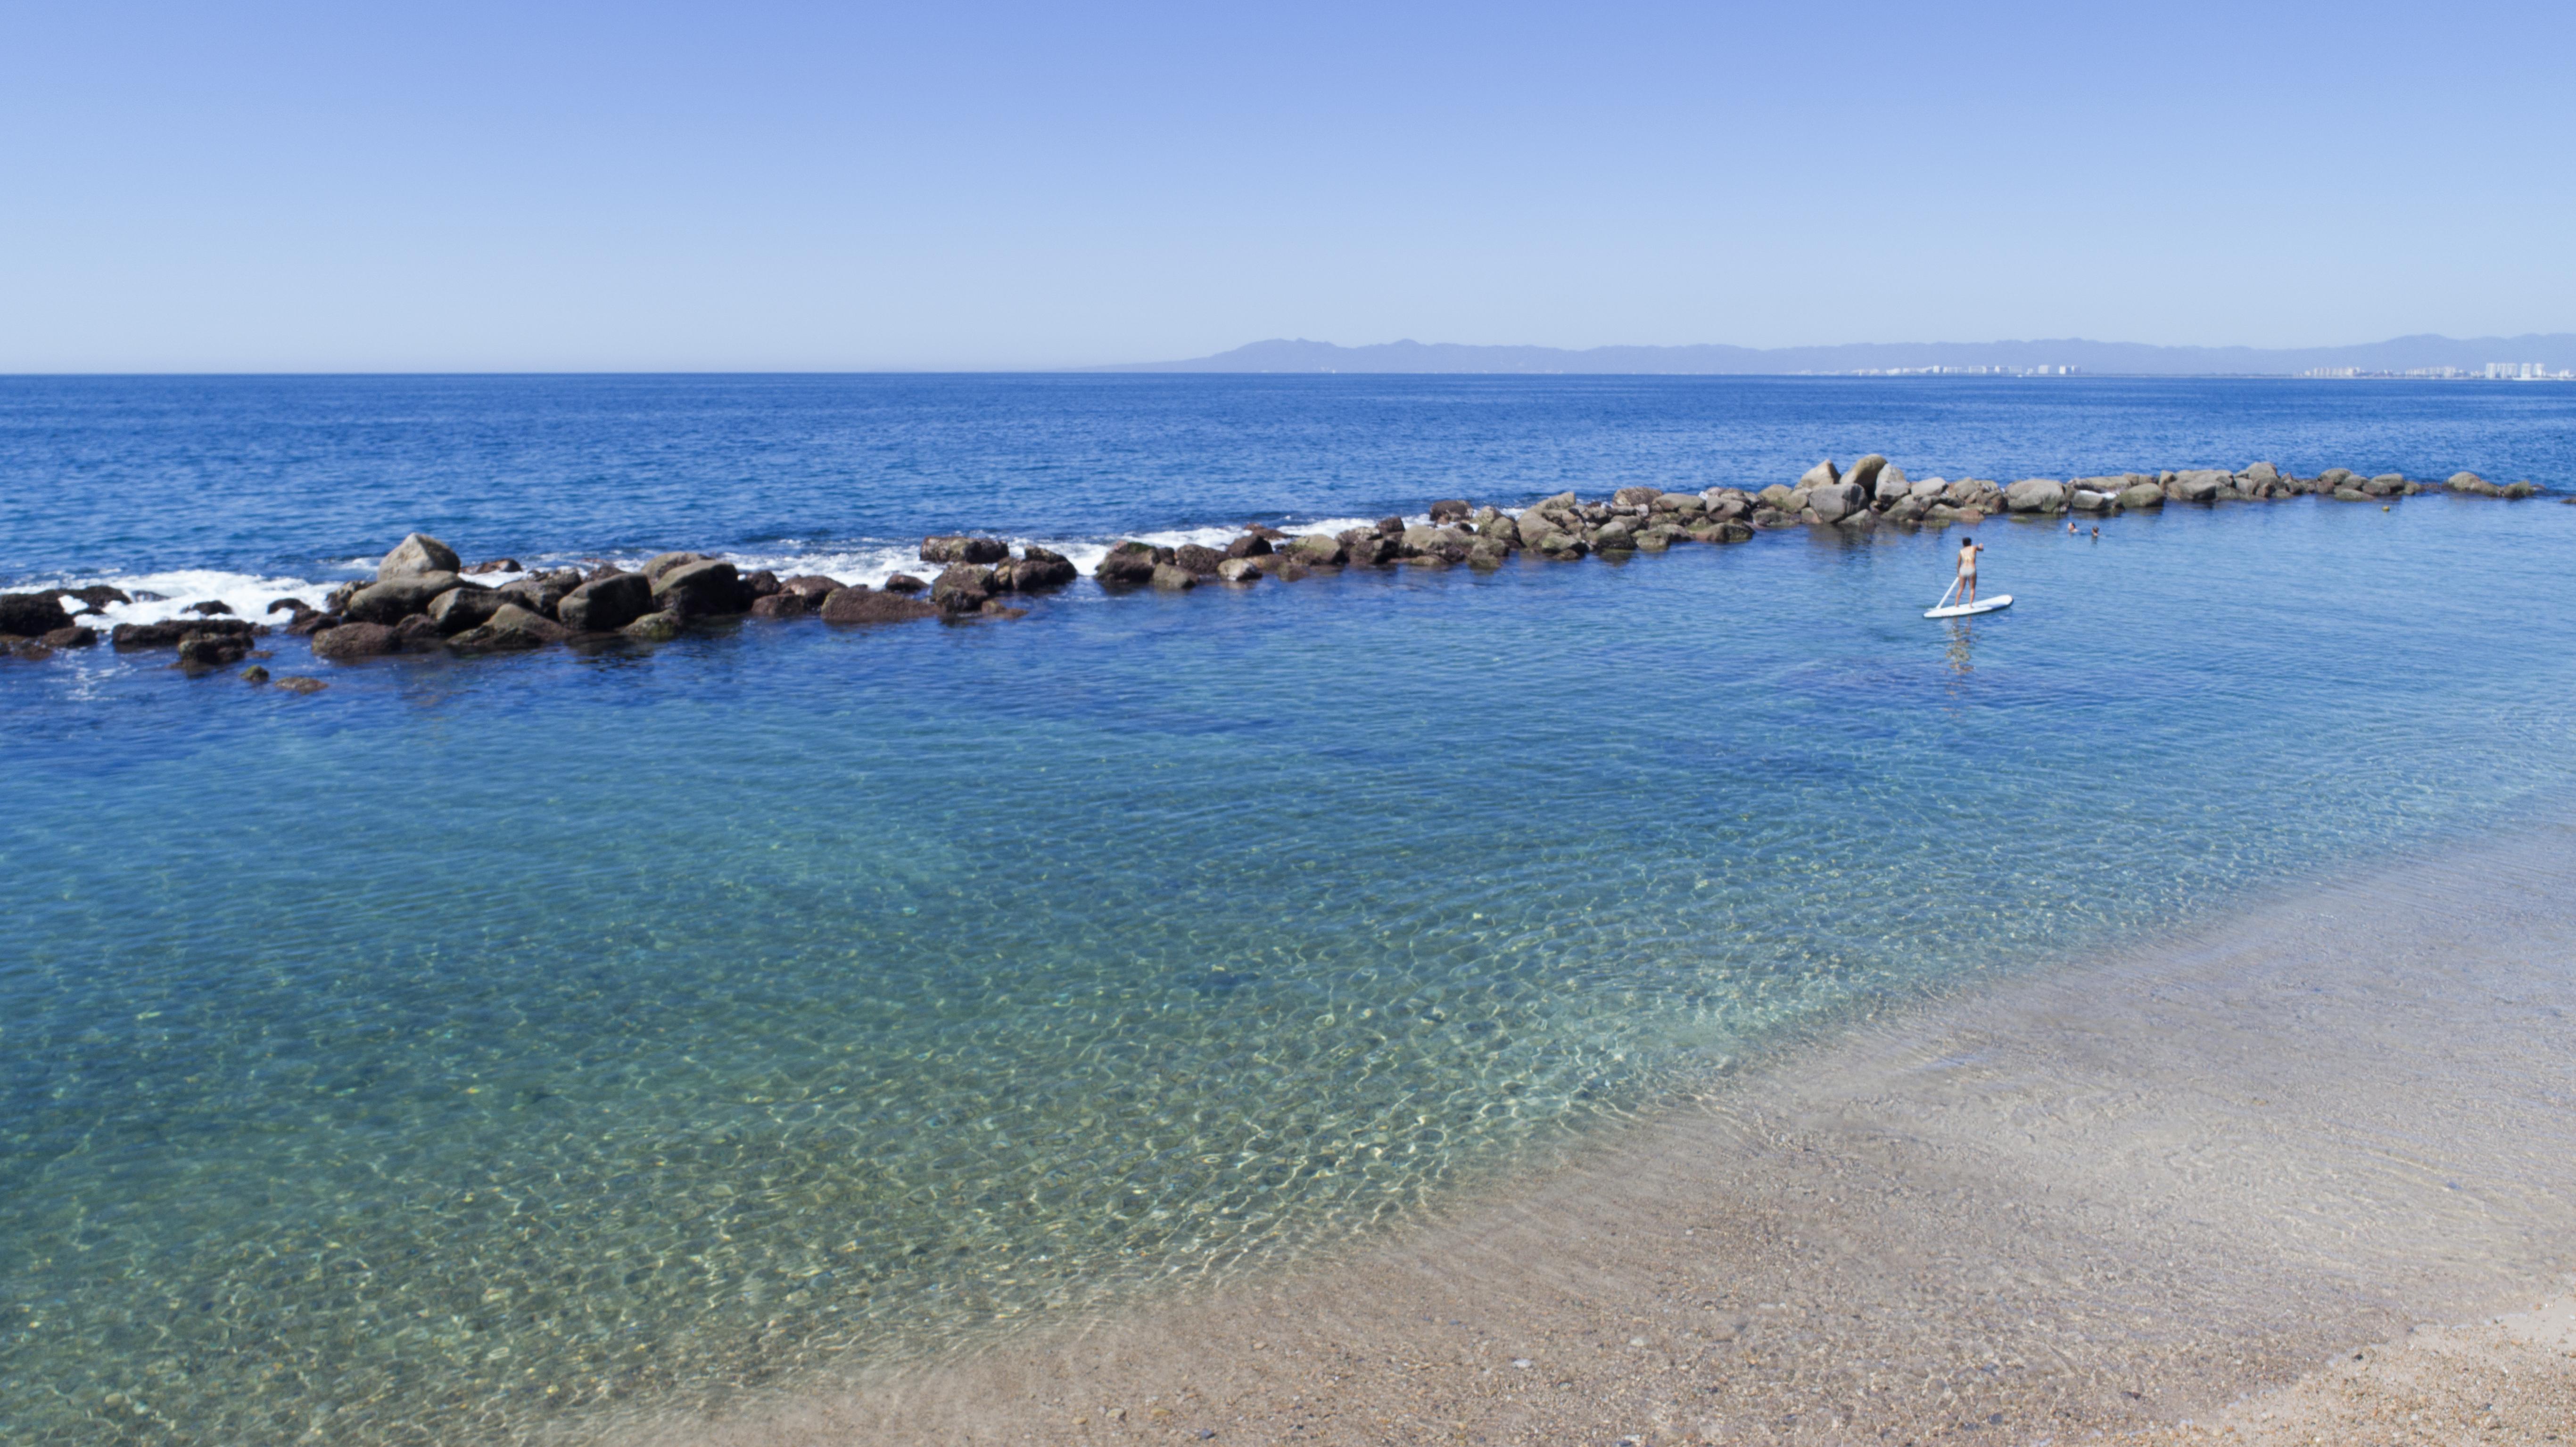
[(481, 1048)]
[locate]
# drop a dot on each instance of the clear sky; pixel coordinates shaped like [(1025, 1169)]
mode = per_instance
[(472, 186)]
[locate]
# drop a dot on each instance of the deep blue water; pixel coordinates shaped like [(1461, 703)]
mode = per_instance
[(487, 1044)]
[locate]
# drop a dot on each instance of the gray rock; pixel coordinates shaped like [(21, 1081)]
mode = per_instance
[(605, 605), (814, 586), (354, 640), (2140, 494), (663, 627), (458, 609), (2035, 494), (73, 635), (1929, 490), (704, 588), (2465, 482), (1451, 510), (1130, 563), (1196, 559), (780, 605), (511, 628), (2261, 474), (1863, 475), (1660, 536), (903, 583), (1239, 570), (1684, 506), (1820, 475), (1317, 550), (2200, 485), (1254, 545), (1038, 569), (1635, 496), (545, 592), (2387, 484), (1891, 485), (398, 597), (661, 563), (1487, 552), (959, 548), (1173, 579), (1500, 529), (1558, 545), (417, 554), (1834, 501), (868, 605), (1449, 545), (2085, 499)]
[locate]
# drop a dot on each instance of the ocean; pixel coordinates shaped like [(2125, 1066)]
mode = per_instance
[(488, 1049)]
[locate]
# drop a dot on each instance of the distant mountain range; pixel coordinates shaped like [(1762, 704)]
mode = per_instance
[(2556, 352)]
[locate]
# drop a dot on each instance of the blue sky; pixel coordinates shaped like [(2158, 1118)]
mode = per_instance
[(468, 186)]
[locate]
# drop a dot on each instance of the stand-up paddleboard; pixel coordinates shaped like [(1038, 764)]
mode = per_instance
[(1962, 610)]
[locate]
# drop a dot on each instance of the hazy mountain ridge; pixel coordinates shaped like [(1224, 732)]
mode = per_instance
[(2556, 351)]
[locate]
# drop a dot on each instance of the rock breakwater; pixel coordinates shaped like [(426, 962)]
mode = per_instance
[(424, 598)]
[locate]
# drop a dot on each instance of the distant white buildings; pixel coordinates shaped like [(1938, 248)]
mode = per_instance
[(2525, 372), (2495, 372)]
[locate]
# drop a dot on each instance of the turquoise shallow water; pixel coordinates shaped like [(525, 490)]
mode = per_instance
[(483, 1047)]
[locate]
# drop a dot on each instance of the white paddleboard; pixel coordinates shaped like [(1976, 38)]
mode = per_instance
[(1982, 605)]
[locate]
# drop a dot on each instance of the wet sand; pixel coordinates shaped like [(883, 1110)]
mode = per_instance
[(2184, 1182)]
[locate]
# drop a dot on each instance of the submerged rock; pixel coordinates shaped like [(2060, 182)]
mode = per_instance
[(299, 683), (1172, 578), (75, 635), (169, 632), (655, 628), (869, 605), (781, 604)]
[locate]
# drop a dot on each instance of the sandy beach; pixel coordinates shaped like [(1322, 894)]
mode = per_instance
[(2302, 1174)]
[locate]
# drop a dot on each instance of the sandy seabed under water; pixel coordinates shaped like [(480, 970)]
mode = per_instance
[(2175, 1193)]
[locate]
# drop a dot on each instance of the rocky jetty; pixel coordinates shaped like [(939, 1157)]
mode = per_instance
[(424, 598)]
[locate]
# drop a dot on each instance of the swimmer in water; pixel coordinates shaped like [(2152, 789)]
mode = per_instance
[(1968, 550)]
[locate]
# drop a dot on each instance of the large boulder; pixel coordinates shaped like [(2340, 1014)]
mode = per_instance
[(32, 615), (2387, 484), (1038, 568), (417, 554), (1254, 545), (1451, 510), (513, 627), (1130, 563), (1239, 570), (961, 588), (458, 609), (1834, 501), (1501, 530), (1173, 579), (781, 604), (1614, 536), (2260, 474), (1449, 545), (75, 635), (814, 587), (1782, 499), (700, 589), (1822, 474), (2140, 494), (868, 605), (959, 548), (2085, 499), (1197, 559), (398, 597), (1635, 496), (604, 605), (1317, 550), (2035, 494), (1487, 552), (2461, 482), (1369, 548), (2200, 484), (1864, 474), (1683, 506), (354, 640), (1892, 485)]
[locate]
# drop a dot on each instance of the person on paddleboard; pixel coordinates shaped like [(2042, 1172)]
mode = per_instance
[(1968, 550)]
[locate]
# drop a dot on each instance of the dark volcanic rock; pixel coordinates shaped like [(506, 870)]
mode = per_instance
[(1451, 510), (1038, 568), (1172, 578), (416, 634), (867, 605), (76, 635), (298, 683), (210, 608), (212, 650), (97, 596), (654, 628), (762, 583), (606, 604), (308, 623), (32, 615), (660, 563), (1197, 559), (353, 640), (167, 633), (903, 583), (497, 565), (1127, 563), (1317, 550), (417, 554), (296, 606), (813, 587), (1254, 545), (961, 588), (701, 589), (781, 604)]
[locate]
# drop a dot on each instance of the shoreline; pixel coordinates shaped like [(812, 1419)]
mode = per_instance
[(425, 599), (2124, 1193)]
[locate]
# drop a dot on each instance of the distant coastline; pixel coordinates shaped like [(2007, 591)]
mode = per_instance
[(2531, 357)]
